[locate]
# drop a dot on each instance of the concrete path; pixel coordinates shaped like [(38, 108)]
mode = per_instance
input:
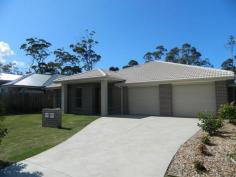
[(112, 147)]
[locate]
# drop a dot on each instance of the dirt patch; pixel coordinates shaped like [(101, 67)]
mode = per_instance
[(218, 162)]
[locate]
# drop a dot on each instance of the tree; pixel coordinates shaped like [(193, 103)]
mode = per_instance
[(131, 63), (173, 55), (229, 64), (187, 54), (155, 55), (85, 51), (148, 57), (9, 68), (38, 50), (69, 70), (113, 68), (52, 68), (67, 63), (231, 44)]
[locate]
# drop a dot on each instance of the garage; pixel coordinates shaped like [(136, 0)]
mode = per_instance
[(188, 100), (143, 100)]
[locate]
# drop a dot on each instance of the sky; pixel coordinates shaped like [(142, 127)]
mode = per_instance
[(125, 29)]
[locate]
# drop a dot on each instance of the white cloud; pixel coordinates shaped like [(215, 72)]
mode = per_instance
[(19, 63), (5, 51)]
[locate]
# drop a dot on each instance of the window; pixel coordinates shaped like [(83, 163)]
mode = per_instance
[(78, 97)]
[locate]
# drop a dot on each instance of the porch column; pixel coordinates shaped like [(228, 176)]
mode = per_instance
[(64, 92), (104, 99)]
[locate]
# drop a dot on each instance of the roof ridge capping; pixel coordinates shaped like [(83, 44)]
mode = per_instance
[(194, 66), (64, 76), (102, 72)]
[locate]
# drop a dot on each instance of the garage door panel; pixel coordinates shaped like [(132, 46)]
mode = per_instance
[(189, 100), (143, 100)]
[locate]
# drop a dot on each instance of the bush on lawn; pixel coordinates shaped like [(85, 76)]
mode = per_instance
[(228, 112), (210, 123)]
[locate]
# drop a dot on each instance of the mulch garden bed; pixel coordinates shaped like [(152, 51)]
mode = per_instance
[(217, 161)]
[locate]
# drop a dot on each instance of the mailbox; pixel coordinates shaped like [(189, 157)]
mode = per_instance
[(51, 117)]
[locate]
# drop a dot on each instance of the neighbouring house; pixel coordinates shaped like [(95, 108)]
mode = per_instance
[(154, 88), (5, 78), (30, 93)]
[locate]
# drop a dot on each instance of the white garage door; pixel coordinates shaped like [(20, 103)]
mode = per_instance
[(143, 100), (189, 100)]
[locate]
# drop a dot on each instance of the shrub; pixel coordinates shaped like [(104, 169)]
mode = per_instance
[(228, 112), (206, 140), (209, 123), (199, 167)]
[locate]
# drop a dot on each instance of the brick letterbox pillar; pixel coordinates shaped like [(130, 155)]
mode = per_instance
[(51, 117)]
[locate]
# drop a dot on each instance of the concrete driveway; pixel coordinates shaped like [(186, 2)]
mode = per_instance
[(112, 147)]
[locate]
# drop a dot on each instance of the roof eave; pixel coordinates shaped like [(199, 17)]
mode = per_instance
[(178, 81)]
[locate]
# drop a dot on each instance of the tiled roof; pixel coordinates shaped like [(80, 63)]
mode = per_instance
[(156, 71), (98, 73), (166, 71)]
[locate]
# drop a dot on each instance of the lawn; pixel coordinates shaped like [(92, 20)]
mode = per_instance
[(26, 136)]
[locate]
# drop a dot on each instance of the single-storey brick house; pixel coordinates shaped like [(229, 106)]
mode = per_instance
[(154, 88)]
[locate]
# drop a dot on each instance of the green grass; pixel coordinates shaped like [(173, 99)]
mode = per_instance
[(26, 136)]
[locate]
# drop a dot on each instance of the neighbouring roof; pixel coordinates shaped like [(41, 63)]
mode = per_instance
[(9, 77), (33, 80), (155, 71), (53, 85)]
